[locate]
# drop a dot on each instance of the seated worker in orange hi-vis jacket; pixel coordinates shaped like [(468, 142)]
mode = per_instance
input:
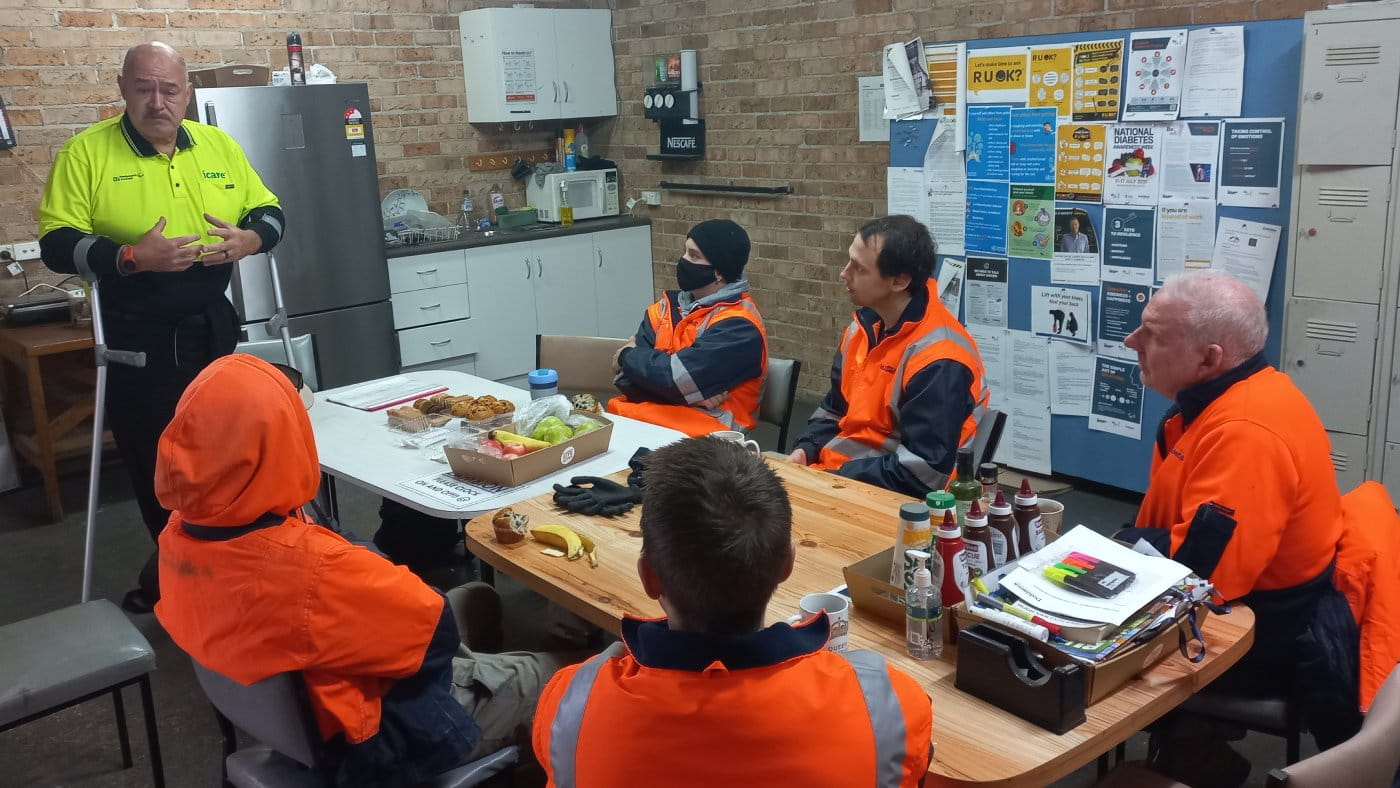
[(907, 385), (708, 696), (251, 589), (1242, 491), (696, 363)]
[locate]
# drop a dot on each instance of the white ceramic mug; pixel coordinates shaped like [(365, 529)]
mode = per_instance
[(838, 610), (738, 437)]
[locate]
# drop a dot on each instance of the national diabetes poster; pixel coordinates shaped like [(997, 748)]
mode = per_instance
[(1134, 175)]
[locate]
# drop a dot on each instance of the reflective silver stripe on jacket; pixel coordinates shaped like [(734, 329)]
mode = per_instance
[(563, 731), (886, 718), (686, 385)]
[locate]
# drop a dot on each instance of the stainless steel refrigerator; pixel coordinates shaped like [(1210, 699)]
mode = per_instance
[(313, 145)]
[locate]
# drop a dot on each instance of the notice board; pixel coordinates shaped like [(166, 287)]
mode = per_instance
[(1270, 85)]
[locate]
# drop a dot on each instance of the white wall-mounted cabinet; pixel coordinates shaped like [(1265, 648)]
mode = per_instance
[(1342, 328), (537, 64)]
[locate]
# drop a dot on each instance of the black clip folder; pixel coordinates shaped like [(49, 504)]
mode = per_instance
[(1000, 668)]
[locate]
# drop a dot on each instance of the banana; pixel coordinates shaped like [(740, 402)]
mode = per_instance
[(561, 537), (530, 444), (590, 549)]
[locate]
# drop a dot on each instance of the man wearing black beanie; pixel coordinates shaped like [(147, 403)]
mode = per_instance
[(696, 363)]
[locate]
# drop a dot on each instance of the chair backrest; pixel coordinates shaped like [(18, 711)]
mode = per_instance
[(1371, 757), (271, 351), (779, 395), (275, 711), (584, 364), (984, 443)]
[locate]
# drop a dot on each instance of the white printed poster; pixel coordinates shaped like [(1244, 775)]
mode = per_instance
[(1185, 236), (945, 190), (950, 283), (1190, 153), (986, 291), (991, 347), (1133, 176), (1153, 75), (1062, 313), (1025, 443), (444, 490), (904, 191), (1071, 379), (1214, 72), (1030, 381), (870, 109), (1246, 251)]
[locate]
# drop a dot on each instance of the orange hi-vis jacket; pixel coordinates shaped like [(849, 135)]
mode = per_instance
[(681, 360), (878, 380), (684, 709), (1259, 448), (276, 594)]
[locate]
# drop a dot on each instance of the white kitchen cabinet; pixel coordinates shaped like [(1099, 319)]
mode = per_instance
[(537, 64), (565, 296), (501, 280), (622, 273)]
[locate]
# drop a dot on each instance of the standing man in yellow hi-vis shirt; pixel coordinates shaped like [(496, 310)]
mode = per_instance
[(156, 207)]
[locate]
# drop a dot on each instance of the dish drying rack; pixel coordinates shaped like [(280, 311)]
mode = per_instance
[(410, 236)]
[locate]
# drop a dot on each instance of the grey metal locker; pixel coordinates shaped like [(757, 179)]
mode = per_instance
[(1390, 472), (1350, 83), (1348, 459), (1329, 351), (1340, 232)]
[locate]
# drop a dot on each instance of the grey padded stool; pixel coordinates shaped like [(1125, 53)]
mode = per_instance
[(72, 655)]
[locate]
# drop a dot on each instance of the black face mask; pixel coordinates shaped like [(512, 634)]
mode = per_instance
[(693, 276)]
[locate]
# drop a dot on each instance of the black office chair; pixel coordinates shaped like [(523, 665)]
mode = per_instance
[(984, 443), (277, 712), (779, 396)]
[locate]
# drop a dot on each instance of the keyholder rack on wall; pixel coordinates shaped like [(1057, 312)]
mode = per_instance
[(504, 160)]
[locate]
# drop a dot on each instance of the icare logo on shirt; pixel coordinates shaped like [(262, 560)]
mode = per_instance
[(216, 175), (133, 176)]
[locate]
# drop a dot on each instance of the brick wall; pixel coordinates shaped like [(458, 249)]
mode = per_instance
[(779, 104)]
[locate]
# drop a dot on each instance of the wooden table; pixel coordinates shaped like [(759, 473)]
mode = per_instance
[(836, 522), (49, 437)]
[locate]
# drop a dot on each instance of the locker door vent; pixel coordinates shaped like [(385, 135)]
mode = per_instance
[(1364, 55), (1339, 461), (1331, 330), (1344, 198)]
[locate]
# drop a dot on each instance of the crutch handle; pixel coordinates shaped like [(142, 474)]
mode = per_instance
[(130, 358)]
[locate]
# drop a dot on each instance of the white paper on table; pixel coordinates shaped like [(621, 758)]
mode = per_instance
[(870, 108), (447, 491), (1117, 399), (986, 291), (1246, 251), (1152, 577), (1132, 178), (1153, 72), (382, 393), (1025, 443), (950, 283), (1063, 313), (905, 74), (904, 191), (1190, 158), (1251, 162), (1214, 82), (1030, 380), (1071, 379), (1185, 236), (945, 190), (991, 347)]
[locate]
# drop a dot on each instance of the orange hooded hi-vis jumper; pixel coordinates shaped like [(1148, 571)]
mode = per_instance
[(250, 589)]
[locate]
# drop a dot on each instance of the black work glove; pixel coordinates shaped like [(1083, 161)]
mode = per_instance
[(638, 465), (604, 497)]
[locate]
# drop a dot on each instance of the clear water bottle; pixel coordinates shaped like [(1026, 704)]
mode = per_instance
[(467, 217), (923, 611)]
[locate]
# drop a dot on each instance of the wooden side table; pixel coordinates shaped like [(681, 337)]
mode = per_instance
[(39, 438)]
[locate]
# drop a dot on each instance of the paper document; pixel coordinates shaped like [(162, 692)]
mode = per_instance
[(1128, 247), (945, 64), (1154, 70), (1071, 379), (991, 346), (1251, 162), (1050, 79), (1214, 82), (1075, 260), (905, 74), (1189, 154), (950, 283), (997, 75), (1246, 251), (383, 393), (1029, 380), (870, 103), (904, 191), (448, 491), (1134, 164), (986, 292), (1153, 576), (1025, 444), (945, 190), (1098, 72), (1185, 236)]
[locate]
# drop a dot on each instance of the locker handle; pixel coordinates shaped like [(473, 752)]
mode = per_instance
[(440, 342), (1346, 219), (426, 307), (1321, 351), (1344, 78)]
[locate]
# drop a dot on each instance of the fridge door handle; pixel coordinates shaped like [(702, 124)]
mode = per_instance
[(210, 116)]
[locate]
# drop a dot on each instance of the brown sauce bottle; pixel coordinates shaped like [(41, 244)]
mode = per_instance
[(1002, 530)]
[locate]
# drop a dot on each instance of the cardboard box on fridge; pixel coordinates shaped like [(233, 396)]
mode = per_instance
[(517, 471), (231, 76)]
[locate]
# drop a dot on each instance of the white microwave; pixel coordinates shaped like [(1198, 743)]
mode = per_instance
[(592, 193)]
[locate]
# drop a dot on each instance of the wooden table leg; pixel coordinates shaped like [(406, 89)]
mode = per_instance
[(44, 437)]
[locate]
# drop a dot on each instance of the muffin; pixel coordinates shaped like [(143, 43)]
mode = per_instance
[(510, 526)]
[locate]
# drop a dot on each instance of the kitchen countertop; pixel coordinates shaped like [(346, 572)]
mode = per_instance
[(512, 235)]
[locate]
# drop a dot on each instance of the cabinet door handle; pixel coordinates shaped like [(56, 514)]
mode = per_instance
[(427, 271), (566, 91), (527, 268), (539, 269), (600, 257), (556, 91), (440, 342), (425, 307)]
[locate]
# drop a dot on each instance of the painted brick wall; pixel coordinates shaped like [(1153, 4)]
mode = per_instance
[(779, 103)]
